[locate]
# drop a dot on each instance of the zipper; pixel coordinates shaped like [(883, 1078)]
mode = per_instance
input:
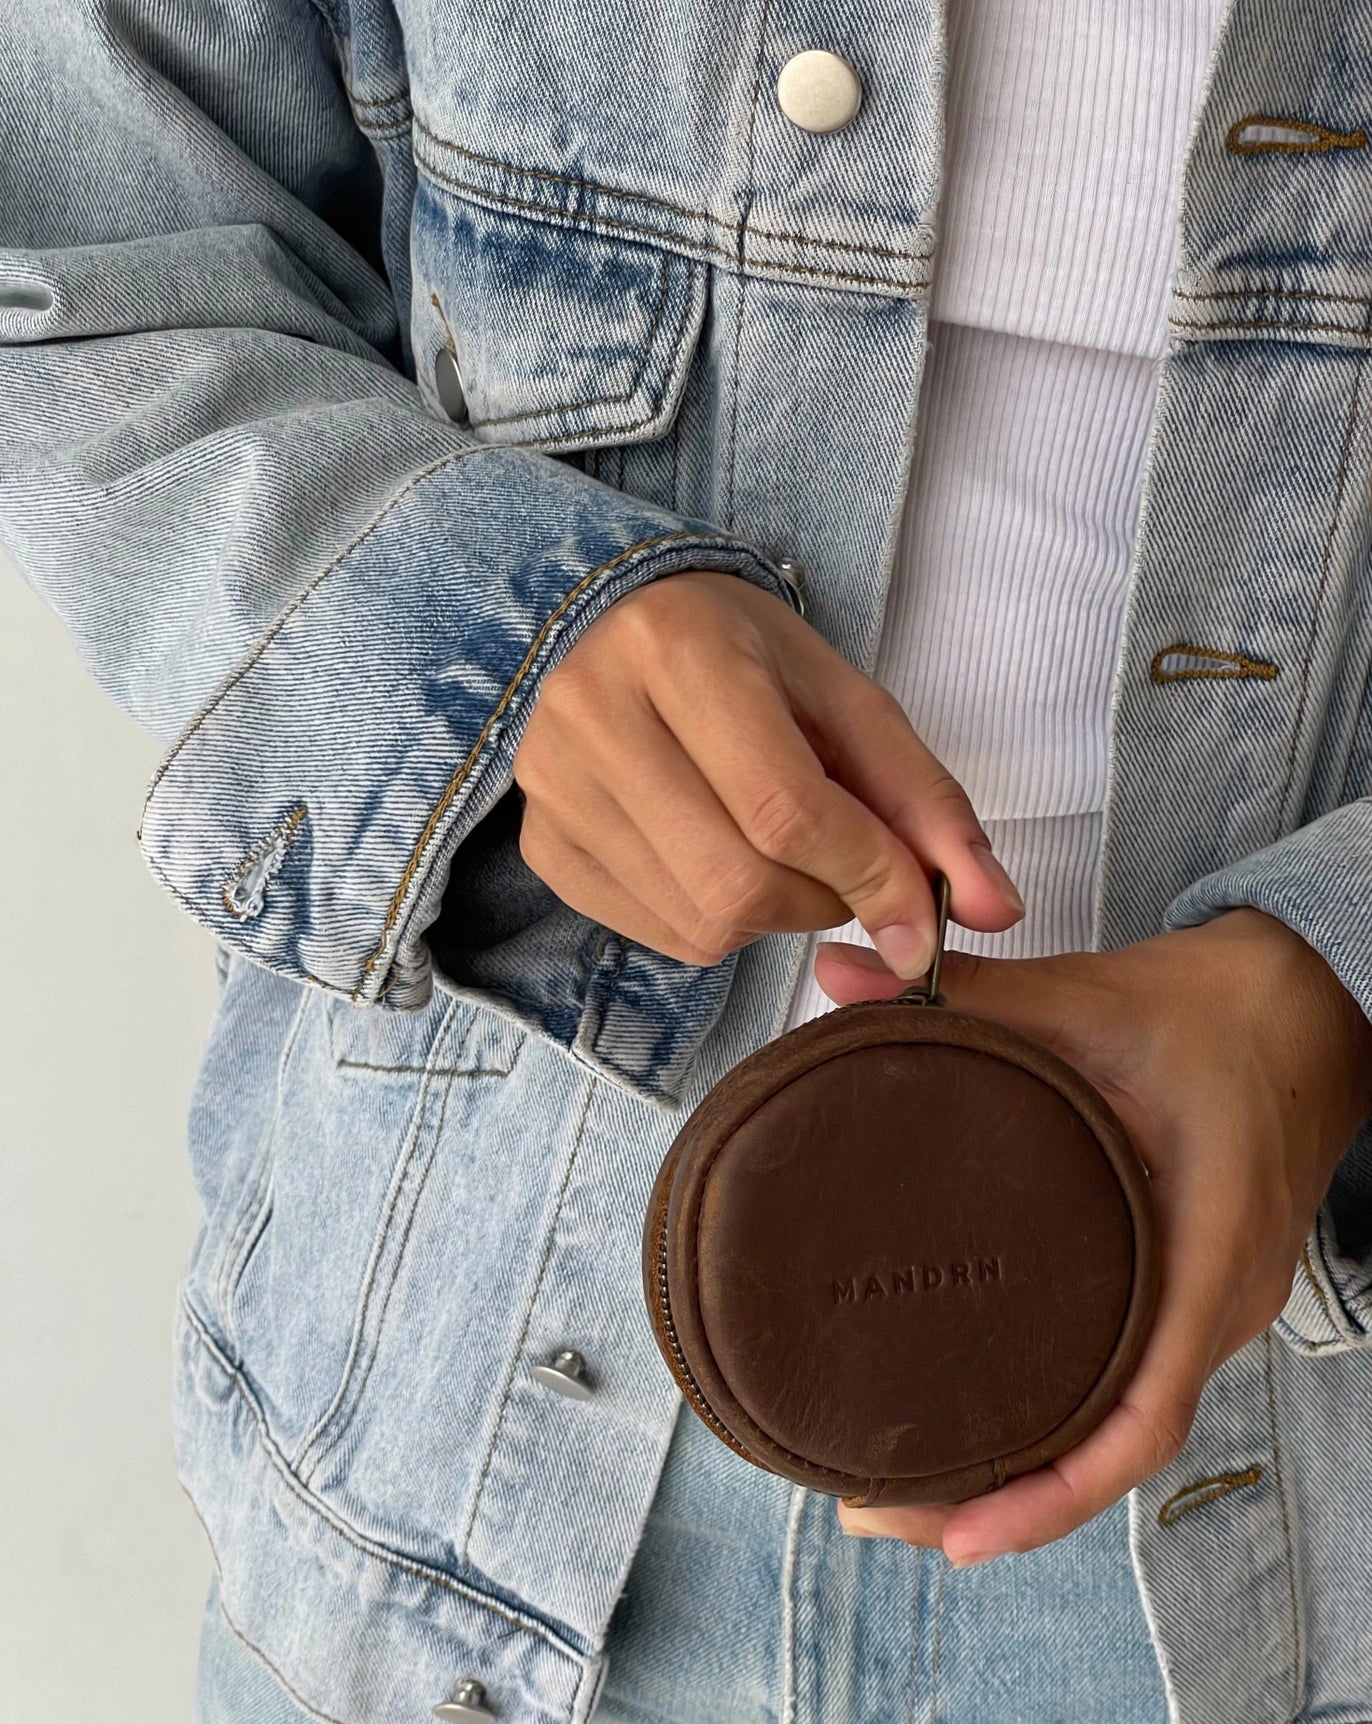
[(680, 1369), (923, 992)]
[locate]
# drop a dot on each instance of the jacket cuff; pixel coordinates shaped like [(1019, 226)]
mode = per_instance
[(303, 813), (1318, 880)]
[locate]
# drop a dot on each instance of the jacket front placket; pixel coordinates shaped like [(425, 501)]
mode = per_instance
[(1250, 549)]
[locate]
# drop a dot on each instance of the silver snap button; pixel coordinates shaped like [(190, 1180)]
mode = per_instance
[(565, 1374), (466, 1704), (452, 396), (793, 573), (818, 91)]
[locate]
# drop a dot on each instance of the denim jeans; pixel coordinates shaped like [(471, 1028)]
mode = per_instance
[(746, 1604)]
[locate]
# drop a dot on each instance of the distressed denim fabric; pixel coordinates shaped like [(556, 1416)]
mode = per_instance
[(747, 1603), (248, 250)]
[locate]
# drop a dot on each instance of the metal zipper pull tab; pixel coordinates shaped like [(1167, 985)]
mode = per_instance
[(924, 991)]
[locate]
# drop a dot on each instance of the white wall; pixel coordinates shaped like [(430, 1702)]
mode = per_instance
[(106, 994)]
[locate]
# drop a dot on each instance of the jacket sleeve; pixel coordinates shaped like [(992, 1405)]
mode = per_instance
[(332, 606), (1318, 880)]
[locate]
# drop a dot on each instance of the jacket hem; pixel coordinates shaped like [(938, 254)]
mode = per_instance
[(361, 1633)]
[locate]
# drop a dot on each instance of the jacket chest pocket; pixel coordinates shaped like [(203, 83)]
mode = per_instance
[(556, 338)]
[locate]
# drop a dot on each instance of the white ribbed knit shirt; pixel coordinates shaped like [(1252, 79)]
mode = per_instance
[(1067, 124)]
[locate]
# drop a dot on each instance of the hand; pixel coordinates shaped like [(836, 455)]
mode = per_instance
[(1241, 1068), (703, 768)]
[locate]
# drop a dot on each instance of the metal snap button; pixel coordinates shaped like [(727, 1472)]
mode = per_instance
[(793, 573), (565, 1375), (818, 91), (465, 1707), (448, 381)]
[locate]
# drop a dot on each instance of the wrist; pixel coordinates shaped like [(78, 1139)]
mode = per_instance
[(1307, 997)]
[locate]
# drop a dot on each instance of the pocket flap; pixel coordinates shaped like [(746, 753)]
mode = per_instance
[(563, 338)]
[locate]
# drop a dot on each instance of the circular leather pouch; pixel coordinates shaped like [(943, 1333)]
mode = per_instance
[(901, 1254)]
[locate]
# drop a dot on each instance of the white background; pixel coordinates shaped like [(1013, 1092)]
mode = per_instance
[(106, 997)]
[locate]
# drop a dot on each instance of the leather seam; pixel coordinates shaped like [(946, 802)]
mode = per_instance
[(701, 1178)]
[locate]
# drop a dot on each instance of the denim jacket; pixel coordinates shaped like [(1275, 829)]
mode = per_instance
[(355, 355)]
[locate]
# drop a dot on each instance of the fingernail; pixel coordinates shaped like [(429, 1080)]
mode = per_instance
[(863, 956), (908, 951), (972, 1558), (991, 868)]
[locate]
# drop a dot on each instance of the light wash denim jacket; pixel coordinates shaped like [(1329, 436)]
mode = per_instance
[(239, 239)]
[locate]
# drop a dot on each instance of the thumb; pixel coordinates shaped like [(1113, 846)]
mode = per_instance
[(1040, 997)]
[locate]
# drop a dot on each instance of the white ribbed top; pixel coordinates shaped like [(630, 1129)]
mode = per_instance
[(1067, 125)]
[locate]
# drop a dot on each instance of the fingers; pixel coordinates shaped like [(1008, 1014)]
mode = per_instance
[(876, 754), (747, 791), (584, 883), (1060, 1001), (1144, 1432), (766, 774), (658, 831), (922, 1525), (848, 973), (734, 891)]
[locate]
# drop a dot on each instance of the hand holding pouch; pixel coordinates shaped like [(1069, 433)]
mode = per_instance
[(901, 1254)]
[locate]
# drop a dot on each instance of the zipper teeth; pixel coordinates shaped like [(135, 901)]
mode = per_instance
[(664, 1307), (687, 1382)]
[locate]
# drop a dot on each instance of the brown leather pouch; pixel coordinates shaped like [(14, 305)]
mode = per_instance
[(901, 1254)]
